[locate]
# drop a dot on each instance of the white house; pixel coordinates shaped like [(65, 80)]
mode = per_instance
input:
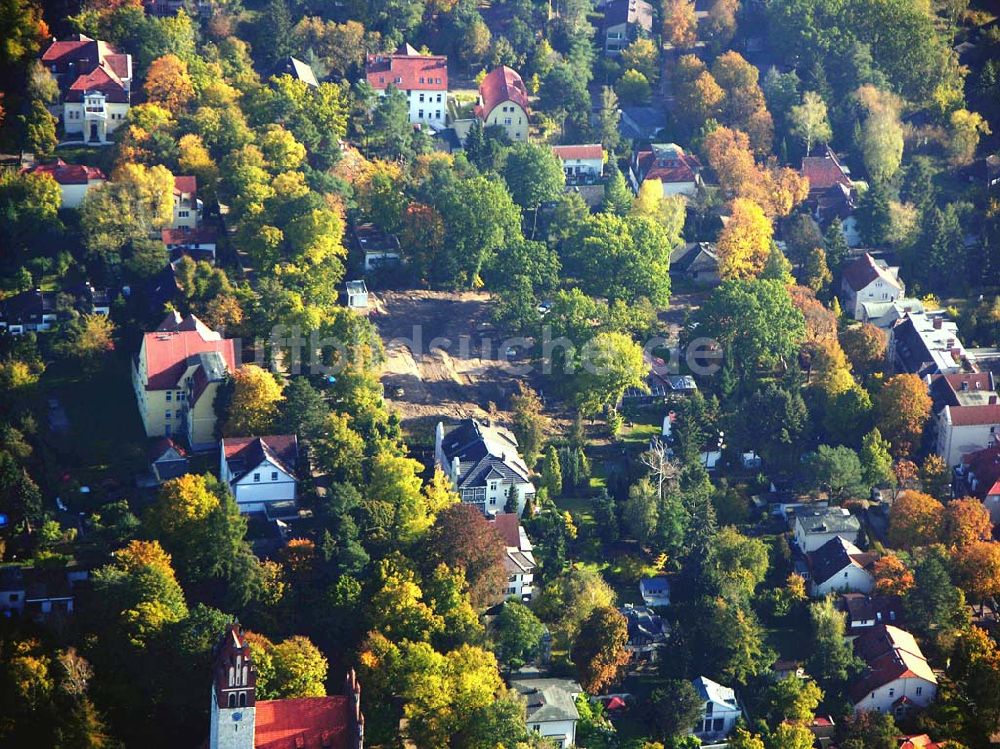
[(885, 314), (979, 475), (188, 208), (377, 248), (484, 465), (74, 180), (897, 677), (965, 429), (94, 83), (655, 591), (624, 22), (519, 561), (581, 163), (551, 710), (868, 280), (422, 78), (721, 710), (198, 244), (28, 312), (260, 471), (840, 566), (813, 528), (678, 172)]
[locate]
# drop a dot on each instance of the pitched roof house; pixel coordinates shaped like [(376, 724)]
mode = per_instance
[(655, 591), (825, 171), (74, 180), (29, 312), (839, 565), (647, 632), (868, 280), (720, 713), (167, 459), (964, 429), (697, 262), (814, 527), (503, 101), (897, 677), (927, 344), (979, 475), (551, 710), (95, 83), (581, 163), (188, 208), (176, 374), (484, 465), (519, 561), (239, 720), (261, 471), (300, 71), (624, 22), (679, 172), (865, 611), (422, 78), (196, 243)]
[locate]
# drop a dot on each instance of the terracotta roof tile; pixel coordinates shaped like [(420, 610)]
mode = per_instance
[(101, 79), (823, 172), (500, 85), (169, 347), (304, 723), (864, 271), (67, 174), (963, 416), (246, 453), (590, 151), (407, 72)]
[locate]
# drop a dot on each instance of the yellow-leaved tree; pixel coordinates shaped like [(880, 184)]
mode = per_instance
[(253, 407), (745, 241)]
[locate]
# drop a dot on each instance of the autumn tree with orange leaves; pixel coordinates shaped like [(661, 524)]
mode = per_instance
[(892, 577), (915, 520), (902, 407), (168, 83), (977, 568), (680, 25), (965, 522)]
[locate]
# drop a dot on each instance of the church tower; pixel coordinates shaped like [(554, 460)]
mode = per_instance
[(234, 681)]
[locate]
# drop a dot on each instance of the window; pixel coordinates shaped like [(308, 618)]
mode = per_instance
[(243, 699), (420, 114), (920, 690), (421, 96), (166, 415), (274, 475), (232, 700), (437, 114), (177, 413), (718, 724), (708, 708), (232, 676), (256, 477), (170, 396), (421, 80), (439, 98), (183, 214), (508, 121)]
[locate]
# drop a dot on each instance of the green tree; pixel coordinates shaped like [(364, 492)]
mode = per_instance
[(939, 605), (517, 632), (552, 478), (676, 709), (529, 423), (876, 462), (612, 362), (624, 258), (736, 564), (39, 129), (617, 196), (793, 699), (569, 598), (838, 470), (809, 120), (869, 730), (833, 661), (533, 174)]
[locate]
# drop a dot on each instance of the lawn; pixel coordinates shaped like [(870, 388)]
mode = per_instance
[(105, 446)]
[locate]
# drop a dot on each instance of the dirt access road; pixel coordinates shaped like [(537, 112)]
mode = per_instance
[(443, 357)]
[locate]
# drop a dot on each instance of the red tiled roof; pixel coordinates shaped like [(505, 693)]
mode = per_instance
[(507, 525), (408, 72), (590, 151), (891, 654), (162, 445), (823, 172), (186, 184), (185, 236), (170, 346), (500, 85), (864, 271), (67, 174), (250, 452), (985, 465), (304, 723), (101, 79), (919, 741), (682, 168), (70, 50), (963, 416)]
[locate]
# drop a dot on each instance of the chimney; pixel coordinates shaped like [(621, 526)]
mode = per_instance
[(937, 323)]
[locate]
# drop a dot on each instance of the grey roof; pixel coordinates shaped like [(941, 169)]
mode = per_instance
[(356, 287), (549, 699), (297, 69), (483, 451), (711, 691), (645, 627), (695, 256), (834, 556), (827, 520), (212, 363), (630, 12)]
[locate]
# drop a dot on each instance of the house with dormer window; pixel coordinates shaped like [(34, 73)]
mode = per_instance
[(260, 471), (422, 78), (484, 465), (678, 172), (94, 82)]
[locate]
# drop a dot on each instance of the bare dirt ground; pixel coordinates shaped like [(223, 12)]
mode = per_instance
[(443, 357)]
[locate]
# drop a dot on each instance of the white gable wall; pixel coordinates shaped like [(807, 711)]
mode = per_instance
[(273, 484)]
